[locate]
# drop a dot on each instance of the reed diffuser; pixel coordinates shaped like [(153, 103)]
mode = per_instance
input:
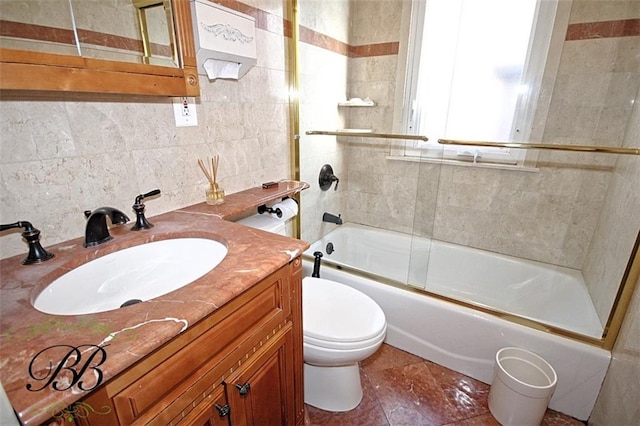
[(214, 193)]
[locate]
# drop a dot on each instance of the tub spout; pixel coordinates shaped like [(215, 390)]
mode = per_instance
[(97, 231), (328, 217)]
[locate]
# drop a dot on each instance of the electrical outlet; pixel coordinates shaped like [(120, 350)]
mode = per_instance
[(184, 111)]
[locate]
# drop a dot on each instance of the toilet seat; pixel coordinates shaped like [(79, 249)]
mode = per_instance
[(346, 346), (336, 316)]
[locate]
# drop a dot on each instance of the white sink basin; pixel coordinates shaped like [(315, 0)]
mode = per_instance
[(141, 272)]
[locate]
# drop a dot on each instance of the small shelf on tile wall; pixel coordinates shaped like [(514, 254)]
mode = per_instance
[(357, 102)]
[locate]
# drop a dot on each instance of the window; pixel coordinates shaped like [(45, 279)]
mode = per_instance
[(475, 73)]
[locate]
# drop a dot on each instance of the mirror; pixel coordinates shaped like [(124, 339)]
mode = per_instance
[(40, 26), (119, 46), (138, 31), (156, 31)]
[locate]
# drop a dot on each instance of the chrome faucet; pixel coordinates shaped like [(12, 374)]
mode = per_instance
[(97, 231), (328, 217)]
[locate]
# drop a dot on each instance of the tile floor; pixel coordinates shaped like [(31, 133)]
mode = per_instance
[(401, 389)]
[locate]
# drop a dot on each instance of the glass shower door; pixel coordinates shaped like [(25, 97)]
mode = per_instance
[(427, 192)]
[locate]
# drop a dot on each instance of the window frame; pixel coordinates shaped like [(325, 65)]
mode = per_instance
[(550, 23)]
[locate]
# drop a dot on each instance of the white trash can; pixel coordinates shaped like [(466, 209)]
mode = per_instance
[(521, 388)]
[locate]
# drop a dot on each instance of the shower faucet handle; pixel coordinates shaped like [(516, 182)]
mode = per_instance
[(327, 178)]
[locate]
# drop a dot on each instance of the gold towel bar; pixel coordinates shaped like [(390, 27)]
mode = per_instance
[(367, 135), (519, 145), (558, 147)]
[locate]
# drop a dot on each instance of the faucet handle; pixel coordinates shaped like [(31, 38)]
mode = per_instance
[(10, 226), (326, 178), (138, 207), (37, 253), (140, 197)]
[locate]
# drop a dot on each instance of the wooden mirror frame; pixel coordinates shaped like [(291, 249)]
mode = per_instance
[(29, 70)]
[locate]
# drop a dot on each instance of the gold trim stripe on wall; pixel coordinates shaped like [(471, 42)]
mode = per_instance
[(604, 29), (279, 25), (264, 20), (275, 24), (331, 44)]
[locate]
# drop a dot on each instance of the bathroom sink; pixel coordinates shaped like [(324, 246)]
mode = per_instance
[(130, 275)]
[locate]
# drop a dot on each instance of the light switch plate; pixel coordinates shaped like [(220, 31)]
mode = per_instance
[(184, 111)]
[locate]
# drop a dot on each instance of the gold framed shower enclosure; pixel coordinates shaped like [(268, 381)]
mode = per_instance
[(632, 272)]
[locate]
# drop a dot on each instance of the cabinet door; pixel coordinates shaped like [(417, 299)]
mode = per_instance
[(261, 391), (213, 411)]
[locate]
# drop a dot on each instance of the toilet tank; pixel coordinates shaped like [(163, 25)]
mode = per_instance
[(265, 222)]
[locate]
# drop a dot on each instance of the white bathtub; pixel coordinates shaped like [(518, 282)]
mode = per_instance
[(460, 338), (550, 294)]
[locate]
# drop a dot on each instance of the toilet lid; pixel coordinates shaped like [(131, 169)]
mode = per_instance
[(336, 312)]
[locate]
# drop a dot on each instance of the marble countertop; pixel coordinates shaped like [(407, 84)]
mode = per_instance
[(130, 333), (241, 202)]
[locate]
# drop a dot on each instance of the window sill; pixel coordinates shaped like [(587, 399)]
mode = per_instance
[(448, 162)]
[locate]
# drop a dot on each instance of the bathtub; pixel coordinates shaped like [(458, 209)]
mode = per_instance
[(458, 337), (549, 294)]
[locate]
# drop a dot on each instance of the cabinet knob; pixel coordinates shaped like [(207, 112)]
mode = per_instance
[(223, 410), (244, 389)]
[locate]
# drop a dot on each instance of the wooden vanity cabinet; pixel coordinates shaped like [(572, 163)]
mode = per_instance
[(212, 411), (259, 392), (241, 365)]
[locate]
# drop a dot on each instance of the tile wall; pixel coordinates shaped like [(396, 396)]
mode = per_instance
[(550, 215), (601, 190), (594, 197), (323, 76), (63, 154), (605, 94), (617, 403)]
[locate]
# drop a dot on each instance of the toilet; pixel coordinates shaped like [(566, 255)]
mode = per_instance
[(341, 326)]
